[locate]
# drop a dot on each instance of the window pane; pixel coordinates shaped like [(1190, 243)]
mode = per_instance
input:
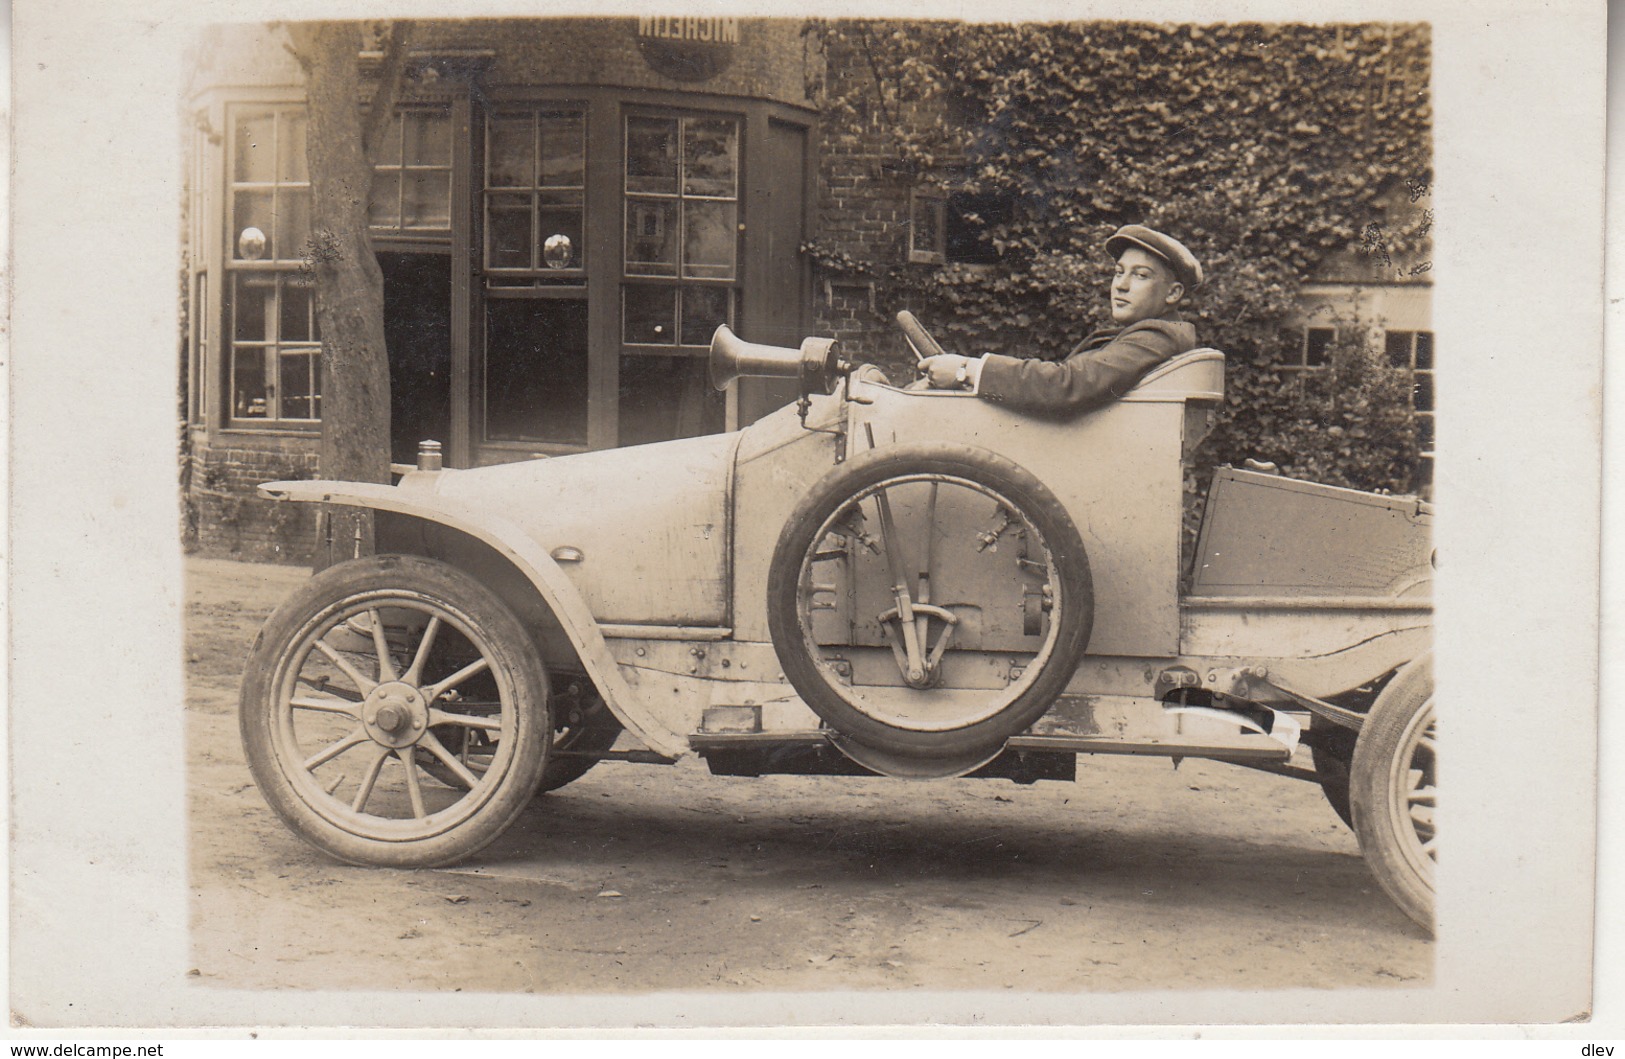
[(650, 316), (254, 150), (703, 309), (428, 138), (427, 200), (1399, 348), (384, 211), (1317, 340), (1424, 429), (292, 224), (389, 152), (651, 155), (709, 239), (560, 214), (249, 383), (968, 223), (252, 209), (662, 398), (252, 301), (1424, 350), (711, 158), (291, 148), (651, 237), (507, 239), (925, 230), (563, 154), (298, 384), (1424, 391), (536, 369), (298, 311), (510, 153)]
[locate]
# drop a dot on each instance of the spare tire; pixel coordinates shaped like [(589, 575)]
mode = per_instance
[(1001, 566)]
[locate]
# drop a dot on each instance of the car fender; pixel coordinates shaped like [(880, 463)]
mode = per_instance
[(550, 582)]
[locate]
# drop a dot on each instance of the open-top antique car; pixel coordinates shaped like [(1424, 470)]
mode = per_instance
[(877, 580)]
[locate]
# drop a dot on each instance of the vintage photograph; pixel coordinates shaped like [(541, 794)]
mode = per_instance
[(575, 520), (688, 503)]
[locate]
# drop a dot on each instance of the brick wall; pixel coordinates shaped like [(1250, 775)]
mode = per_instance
[(863, 213), (221, 513)]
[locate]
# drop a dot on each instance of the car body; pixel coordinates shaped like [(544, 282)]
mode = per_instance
[(877, 580)]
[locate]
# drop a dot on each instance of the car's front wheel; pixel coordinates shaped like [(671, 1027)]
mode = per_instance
[(371, 669)]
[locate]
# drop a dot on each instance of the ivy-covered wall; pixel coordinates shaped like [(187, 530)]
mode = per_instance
[(1279, 153)]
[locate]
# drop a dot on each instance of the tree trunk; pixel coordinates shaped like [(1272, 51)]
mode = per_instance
[(339, 256)]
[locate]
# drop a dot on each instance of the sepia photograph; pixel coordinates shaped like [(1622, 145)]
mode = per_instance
[(670, 512)]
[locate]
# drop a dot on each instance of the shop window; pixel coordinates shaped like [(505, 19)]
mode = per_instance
[(411, 185), (681, 265), (270, 191), (535, 194), (275, 347), (536, 369), (274, 367)]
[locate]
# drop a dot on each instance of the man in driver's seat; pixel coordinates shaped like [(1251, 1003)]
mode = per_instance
[(1154, 274)]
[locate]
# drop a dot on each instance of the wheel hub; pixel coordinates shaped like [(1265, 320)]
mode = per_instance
[(395, 714)]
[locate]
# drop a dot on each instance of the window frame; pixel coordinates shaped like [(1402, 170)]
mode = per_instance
[(402, 234), (677, 282), (223, 304), (1429, 415), (536, 274), (927, 202)]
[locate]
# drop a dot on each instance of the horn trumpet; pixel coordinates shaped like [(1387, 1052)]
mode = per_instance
[(817, 365)]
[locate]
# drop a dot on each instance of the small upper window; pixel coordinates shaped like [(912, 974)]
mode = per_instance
[(927, 227), (411, 184), (535, 193), (270, 189)]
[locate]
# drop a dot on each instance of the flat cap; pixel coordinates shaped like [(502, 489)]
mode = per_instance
[(1186, 268)]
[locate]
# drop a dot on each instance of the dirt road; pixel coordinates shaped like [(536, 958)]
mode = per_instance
[(641, 877)]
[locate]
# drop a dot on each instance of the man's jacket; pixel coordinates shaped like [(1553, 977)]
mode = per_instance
[(1100, 369)]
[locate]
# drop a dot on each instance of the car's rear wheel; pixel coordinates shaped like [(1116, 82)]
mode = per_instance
[(1393, 790), (363, 674), (929, 601)]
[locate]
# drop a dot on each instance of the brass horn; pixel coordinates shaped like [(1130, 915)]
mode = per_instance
[(817, 365)]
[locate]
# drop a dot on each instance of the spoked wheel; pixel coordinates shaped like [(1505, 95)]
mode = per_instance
[(374, 668), (1393, 790), (929, 600)]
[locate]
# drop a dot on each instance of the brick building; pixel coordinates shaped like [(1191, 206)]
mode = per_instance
[(566, 211)]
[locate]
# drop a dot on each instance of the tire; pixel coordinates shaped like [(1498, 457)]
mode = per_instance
[(562, 769), (913, 710), (1393, 790), (566, 762), (350, 681), (1333, 755)]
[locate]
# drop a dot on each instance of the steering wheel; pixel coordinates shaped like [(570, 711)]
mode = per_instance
[(924, 345)]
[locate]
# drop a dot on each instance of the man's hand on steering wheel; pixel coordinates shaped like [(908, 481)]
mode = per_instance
[(946, 371)]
